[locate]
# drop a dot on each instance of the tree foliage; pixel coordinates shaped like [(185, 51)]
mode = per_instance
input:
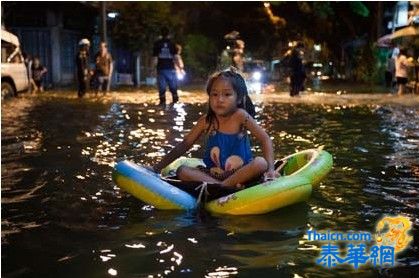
[(359, 8), (139, 23), (200, 55), (200, 27)]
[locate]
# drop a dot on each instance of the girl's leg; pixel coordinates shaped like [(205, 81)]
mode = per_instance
[(248, 172), (186, 173)]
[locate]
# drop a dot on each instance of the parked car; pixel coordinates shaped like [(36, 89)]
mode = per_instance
[(14, 74)]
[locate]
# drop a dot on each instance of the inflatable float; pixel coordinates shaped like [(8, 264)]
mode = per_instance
[(300, 172)]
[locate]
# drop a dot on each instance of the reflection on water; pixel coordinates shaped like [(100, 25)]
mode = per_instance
[(63, 216)]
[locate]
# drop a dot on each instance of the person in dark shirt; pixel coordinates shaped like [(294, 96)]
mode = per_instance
[(164, 52), (298, 74), (38, 72), (82, 65)]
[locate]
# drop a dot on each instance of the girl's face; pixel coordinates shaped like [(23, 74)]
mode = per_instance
[(222, 98)]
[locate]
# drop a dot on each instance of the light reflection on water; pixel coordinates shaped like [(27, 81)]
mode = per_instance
[(57, 191)]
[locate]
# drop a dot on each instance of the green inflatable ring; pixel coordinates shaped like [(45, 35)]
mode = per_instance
[(300, 171)]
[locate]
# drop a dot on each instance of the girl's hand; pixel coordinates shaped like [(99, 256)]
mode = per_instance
[(270, 175)]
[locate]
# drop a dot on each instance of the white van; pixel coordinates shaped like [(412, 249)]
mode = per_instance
[(14, 74)]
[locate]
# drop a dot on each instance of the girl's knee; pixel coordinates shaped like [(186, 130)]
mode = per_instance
[(185, 172), (260, 163)]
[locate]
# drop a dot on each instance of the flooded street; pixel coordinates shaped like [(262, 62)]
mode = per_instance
[(62, 216)]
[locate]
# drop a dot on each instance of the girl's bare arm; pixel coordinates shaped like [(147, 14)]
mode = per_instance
[(261, 135), (182, 147)]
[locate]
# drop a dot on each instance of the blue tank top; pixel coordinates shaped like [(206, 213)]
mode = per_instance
[(222, 148)]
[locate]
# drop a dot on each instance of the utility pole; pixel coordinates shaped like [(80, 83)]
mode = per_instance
[(379, 19), (103, 17)]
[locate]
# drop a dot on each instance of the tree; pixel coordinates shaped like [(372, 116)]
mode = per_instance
[(347, 29), (266, 32), (200, 55), (139, 23)]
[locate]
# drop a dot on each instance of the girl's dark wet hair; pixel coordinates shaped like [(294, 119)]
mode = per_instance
[(239, 86)]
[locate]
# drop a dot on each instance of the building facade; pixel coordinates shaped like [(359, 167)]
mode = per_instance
[(51, 31)]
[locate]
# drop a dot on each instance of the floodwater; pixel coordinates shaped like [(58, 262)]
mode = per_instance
[(62, 216)]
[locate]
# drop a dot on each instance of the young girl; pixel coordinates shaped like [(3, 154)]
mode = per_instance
[(228, 156)]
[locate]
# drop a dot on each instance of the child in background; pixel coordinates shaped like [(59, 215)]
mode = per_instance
[(179, 66), (38, 73), (104, 68), (228, 156)]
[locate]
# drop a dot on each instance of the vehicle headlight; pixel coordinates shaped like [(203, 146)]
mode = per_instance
[(257, 75)]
